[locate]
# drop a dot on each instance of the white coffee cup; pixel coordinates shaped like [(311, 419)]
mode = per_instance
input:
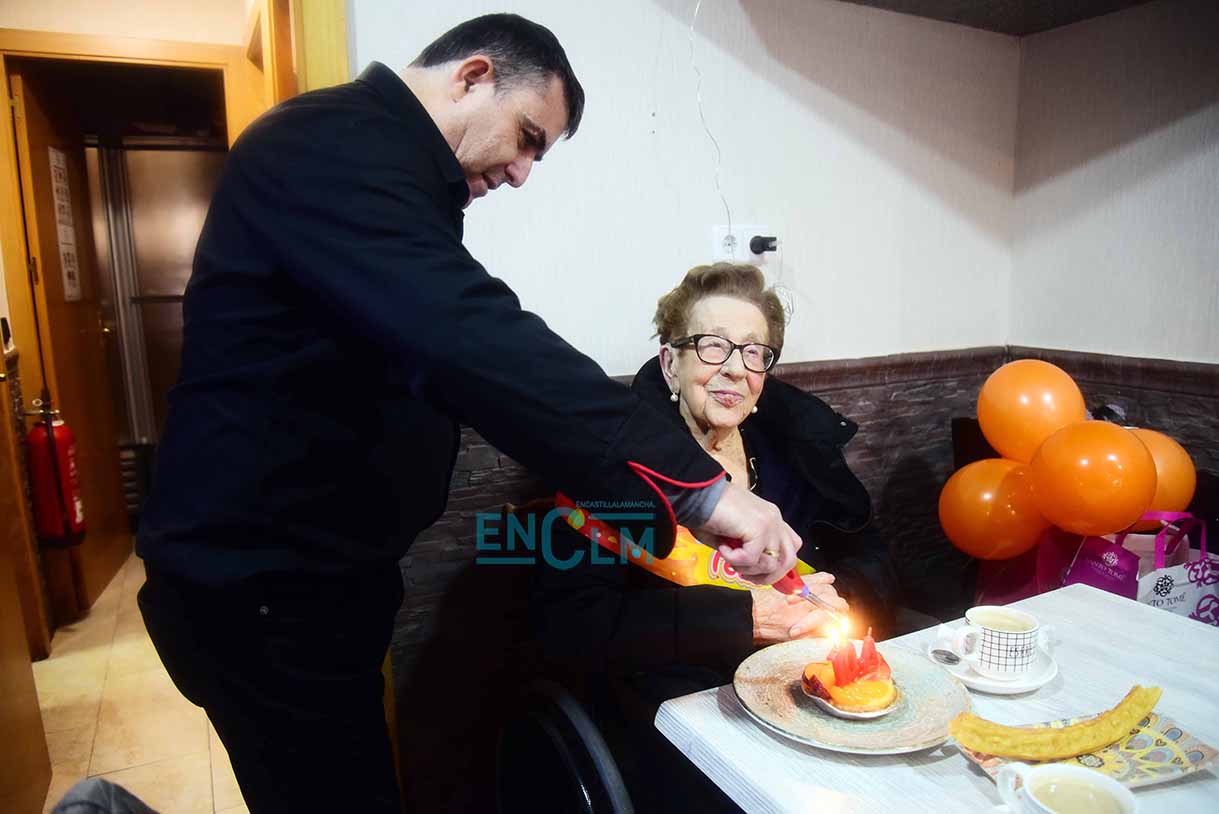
[(1056, 788), (998, 642)]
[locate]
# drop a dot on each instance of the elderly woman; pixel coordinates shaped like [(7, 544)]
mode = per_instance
[(628, 640)]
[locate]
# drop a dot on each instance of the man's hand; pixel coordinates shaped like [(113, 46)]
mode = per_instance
[(768, 546)]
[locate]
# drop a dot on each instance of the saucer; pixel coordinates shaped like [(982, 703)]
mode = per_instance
[(1042, 672)]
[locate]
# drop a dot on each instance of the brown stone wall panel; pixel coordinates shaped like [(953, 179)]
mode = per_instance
[(903, 455), (1193, 421), (853, 374), (1163, 375)]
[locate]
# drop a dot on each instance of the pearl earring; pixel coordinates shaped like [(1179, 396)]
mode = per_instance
[(673, 397), (755, 409)]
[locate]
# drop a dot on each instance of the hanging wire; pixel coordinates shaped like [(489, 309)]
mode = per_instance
[(702, 117)]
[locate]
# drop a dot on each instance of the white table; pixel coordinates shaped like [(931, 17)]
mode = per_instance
[(1106, 644)]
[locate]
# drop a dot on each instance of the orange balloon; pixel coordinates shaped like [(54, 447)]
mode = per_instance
[(989, 511), (1025, 402), (1175, 475), (1093, 478)]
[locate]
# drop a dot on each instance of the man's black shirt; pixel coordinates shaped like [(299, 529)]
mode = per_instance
[(336, 332)]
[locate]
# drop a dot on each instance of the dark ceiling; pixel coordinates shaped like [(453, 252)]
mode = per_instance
[(114, 101), (1016, 17)]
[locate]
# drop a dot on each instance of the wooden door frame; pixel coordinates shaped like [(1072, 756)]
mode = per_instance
[(21, 549), (307, 41), (243, 102), (269, 40), (319, 29)]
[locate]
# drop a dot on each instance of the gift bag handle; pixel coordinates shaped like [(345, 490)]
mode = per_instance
[(1183, 521)]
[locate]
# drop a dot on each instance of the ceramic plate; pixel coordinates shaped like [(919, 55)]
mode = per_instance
[(1157, 751), (768, 686), (1042, 672)]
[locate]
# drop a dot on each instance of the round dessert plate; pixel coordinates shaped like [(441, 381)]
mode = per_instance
[(768, 685)]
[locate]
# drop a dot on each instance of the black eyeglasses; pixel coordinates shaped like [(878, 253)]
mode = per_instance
[(715, 350)]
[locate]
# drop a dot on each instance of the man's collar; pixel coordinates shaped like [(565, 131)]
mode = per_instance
[(390, 87)]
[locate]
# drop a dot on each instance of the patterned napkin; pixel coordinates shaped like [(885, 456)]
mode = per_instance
[(1157, 751)]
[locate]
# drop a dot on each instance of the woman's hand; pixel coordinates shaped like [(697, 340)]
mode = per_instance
[(781, 617)]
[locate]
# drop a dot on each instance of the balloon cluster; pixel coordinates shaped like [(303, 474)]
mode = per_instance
[(1058, 468)]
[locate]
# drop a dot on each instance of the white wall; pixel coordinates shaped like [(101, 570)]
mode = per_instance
[(879, 146), (1117, 185), (213, 21)]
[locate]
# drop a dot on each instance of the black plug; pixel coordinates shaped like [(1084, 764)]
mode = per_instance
[(759, 244)]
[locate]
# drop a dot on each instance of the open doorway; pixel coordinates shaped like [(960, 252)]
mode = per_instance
[(116, 163), (153, 161)]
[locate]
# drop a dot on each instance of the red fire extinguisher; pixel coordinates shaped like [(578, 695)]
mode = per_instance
[(59, 512)]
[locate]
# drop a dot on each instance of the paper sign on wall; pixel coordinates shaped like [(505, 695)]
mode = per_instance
[(62, 193)]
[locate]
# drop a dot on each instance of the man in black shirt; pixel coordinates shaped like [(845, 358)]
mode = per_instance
[(336, 332)]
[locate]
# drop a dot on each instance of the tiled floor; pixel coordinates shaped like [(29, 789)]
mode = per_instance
[(110, 709)]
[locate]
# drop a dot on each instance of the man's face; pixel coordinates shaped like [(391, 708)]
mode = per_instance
[(505, 133)]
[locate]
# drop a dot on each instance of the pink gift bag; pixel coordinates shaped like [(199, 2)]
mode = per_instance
[(1105, 565), (1164, 573), (1034, 572), (1188, 586)]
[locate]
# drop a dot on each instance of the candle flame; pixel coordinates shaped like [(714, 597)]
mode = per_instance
[(845, 624)]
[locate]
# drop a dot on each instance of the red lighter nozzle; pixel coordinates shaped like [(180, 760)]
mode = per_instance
[(790, 583)]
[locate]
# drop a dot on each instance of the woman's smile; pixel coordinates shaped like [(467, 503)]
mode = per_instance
[(727, 398)]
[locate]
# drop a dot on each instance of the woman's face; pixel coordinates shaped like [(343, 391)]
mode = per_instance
[(717, 396)]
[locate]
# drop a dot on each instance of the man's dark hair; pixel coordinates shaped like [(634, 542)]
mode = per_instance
[(523, 52)]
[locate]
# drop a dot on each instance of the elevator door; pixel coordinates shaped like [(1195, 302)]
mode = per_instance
[(170, 193), (152, 203), (160, 197)]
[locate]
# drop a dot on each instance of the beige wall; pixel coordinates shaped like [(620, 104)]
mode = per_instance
[(936, 186), (213, 21), (1117, 185), (878, 146)]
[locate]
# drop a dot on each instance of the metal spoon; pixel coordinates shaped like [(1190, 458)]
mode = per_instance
[(946, 657)]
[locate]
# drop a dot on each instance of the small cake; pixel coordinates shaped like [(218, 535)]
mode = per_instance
[(852, 682)]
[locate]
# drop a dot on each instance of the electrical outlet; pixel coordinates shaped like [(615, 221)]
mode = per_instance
[(733, 246)]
